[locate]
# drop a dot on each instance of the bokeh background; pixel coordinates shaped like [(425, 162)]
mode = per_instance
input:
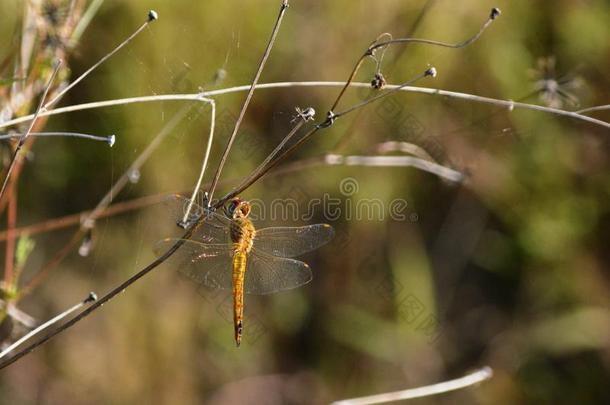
[(508, 269)]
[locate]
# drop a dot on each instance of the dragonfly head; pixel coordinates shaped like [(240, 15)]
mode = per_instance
[(238, 208)]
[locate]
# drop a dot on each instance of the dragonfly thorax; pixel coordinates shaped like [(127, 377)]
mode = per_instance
[(242, 230), (242, 234)]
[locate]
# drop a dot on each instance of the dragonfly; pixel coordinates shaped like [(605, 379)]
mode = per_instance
[(226, 251)]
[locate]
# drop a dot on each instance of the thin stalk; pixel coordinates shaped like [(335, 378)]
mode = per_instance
[(330, 120), (242, 113), (97, 304), (107, 139), (204, 165), (508, 104), (90, 298), (88, 220), (50, 265), (75, 219), (248, 181), (396, 161), (85, 20), (238, 190), (137, 164), (376, 45), (382, 95), (152, 16), (592, 109), (471, 379)]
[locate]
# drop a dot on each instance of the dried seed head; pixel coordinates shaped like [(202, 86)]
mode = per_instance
[(91, 298), (495, 13), (86, 245), (378, 82), (431, 72), (308, 114), (152, 15)]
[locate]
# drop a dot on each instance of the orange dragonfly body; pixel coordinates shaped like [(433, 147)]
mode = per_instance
[(228, 252)]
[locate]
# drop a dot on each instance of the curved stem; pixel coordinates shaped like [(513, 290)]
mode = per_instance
[(508, 104), (476, 377)]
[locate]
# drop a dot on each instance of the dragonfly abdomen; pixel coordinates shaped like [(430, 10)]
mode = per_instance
[(242, 235), (239, 271)]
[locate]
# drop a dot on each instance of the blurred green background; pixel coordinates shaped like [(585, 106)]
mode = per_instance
[(508, 269)]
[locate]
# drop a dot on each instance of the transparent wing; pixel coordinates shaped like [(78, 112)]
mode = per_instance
[(293, 241), (266, 274), (206, 264), (211, 265), (213, 229)]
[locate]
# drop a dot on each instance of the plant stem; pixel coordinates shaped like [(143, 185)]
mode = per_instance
[(242, 113)]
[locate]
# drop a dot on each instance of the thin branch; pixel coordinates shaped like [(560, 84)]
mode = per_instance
[(205, 160), (90, 298), (142, 202), (405, 147), (293, 167), (396, 161), (88, 221), (248, 181), (508, 104), (152, 16), (476, 377), (330, 120), (110, 139), (592, 109), (376, 45), (50, 265), (416, 24), (495, 13), (137, 164), (75, 219), (123, 286), (18, 315), (242, 113), (116, 291), (428, 72), (85, 20), (25, 135)]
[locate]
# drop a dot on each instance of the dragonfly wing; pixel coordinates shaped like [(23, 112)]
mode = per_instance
[(213, 228), (266, 274), (206, 264), (292, 241)]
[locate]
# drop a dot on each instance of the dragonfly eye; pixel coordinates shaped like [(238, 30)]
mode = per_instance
[(232, 207), (238, 208)]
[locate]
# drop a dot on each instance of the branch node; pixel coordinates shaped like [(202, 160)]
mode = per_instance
[(330, 120)]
